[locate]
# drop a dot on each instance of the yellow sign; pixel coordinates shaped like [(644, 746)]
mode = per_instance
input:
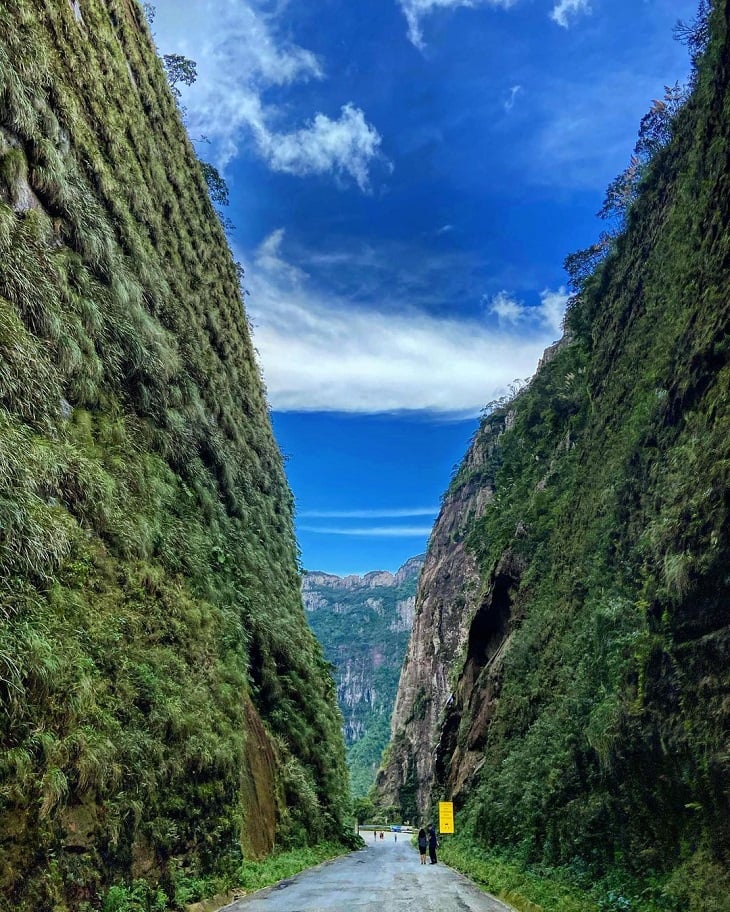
[(446, 817)]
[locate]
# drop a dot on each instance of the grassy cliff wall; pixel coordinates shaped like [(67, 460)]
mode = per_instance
[(162, 696), (589, 723)]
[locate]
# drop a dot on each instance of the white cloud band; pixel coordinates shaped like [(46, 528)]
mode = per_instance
[(321, 353), (372, 531)]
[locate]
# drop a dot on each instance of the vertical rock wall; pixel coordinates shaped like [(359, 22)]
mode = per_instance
[(449, 591)]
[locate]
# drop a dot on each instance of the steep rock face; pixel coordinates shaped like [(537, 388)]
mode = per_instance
[(363, 624), (163, 700), (447, 596), (588, 717)]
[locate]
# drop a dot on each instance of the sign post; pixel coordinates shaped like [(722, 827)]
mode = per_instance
[(446, 817)]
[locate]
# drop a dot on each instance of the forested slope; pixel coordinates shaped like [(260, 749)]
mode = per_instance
[(588, 720), (163, 700)]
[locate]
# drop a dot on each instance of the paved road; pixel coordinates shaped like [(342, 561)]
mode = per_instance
[(385, 876)]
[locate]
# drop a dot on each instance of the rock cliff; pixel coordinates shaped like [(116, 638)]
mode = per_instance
[(363, 624), (566, 679), (164, 705), (446, 598)]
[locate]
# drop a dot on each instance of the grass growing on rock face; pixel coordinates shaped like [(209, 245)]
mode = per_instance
[(607, 750), (148, 571)]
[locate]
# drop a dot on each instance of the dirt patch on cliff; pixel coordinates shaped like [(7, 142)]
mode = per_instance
[(258, 788)]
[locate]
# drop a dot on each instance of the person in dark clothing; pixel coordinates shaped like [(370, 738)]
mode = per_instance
[(422, 844), (432, 843)]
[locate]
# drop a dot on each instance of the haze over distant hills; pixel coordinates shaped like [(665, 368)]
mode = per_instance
[(363, 623)]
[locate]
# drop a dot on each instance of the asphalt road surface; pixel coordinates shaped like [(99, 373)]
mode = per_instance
[(385, 876)]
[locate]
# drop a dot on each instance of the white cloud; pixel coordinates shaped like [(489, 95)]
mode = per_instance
[(269, 260), (552, 308), (345, 146), (368, 514), (511, 98), (566, 8), (416, 10), (240, 57), (372, 531), (549, 313), (320, 352), (506, 308)]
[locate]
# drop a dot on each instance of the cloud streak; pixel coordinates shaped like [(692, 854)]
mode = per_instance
[(580, 140), (323, 353), (371, 531), (566, 8), (368, 514), (512, 97), (416, 10)]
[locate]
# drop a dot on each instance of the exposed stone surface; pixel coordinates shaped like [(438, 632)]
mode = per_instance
[(258, 784), (448, 595), (459, 752), (363, 624)]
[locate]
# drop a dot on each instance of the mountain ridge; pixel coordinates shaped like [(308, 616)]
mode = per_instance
[(370, 578), (363, 623)]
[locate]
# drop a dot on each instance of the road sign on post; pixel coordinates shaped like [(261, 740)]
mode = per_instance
[(446, 817)]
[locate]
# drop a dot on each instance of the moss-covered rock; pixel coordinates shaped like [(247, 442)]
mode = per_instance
[(588, 723), (153, 637)]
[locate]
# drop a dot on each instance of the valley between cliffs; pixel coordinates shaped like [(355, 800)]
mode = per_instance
[(363, 624)]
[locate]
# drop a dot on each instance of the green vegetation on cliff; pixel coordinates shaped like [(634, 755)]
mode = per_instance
[(606, 549), (363, 624), (163, 700)]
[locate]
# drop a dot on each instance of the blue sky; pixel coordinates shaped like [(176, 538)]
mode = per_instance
[(407, 177)]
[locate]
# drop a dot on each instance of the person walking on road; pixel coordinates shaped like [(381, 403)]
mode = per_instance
[(422, 844), (432, 843)]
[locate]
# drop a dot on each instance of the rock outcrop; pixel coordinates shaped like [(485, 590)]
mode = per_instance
[(447, 597), (363, 624)]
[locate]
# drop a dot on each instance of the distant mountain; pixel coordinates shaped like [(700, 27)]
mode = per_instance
[(363, 623)]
